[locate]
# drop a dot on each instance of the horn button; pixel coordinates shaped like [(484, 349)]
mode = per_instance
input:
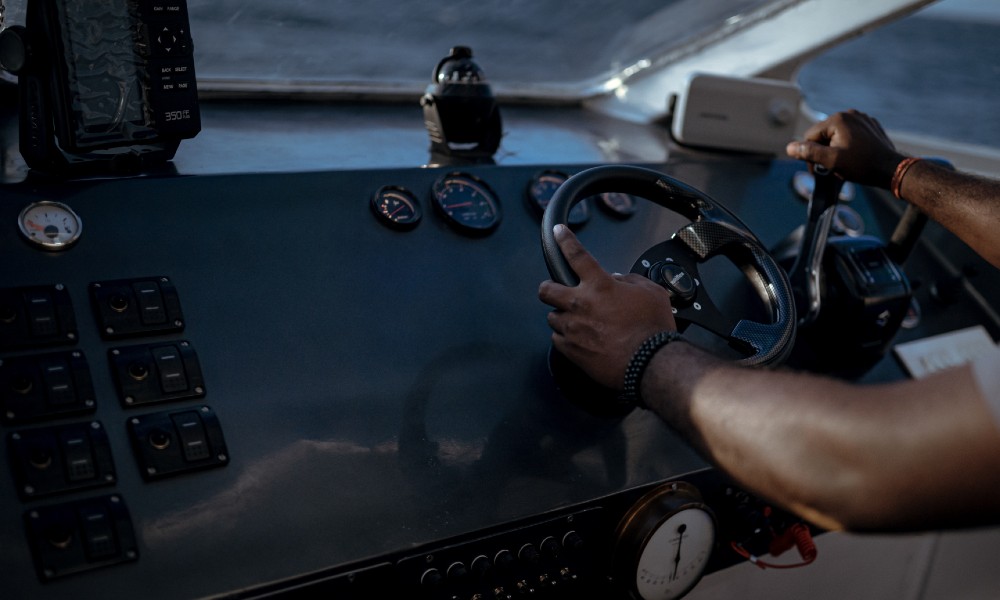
[(678, 281)]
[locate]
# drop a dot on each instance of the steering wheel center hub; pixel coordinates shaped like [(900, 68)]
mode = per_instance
[(681, 285)]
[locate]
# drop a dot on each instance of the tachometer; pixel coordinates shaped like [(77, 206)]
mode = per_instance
[(467, 203), (396, 207), (51, 225)]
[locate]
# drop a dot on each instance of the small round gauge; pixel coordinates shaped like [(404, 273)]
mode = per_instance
[(467, 203), (396, 207), (847, 221), (664, 543), (617, 204), (51, 225), (544, 185), (803, 182)]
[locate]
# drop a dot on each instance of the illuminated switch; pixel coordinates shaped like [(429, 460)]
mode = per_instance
[(78, 457), (194, 442), (156, 373), (78, 536), (98, 532), (58, 380), (171, 368), (44, 386), (41, 314), (36, 316), (150, 301), (64, 458), (128, 307), (169, 443)]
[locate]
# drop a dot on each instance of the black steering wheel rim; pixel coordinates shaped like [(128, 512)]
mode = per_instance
[(713, 230)]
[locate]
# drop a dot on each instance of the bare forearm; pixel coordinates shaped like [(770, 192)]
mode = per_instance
[(742, 425), (840, 455), (969, 206)]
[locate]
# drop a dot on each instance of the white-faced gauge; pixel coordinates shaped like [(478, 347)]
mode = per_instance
[(467, 203), (50, 225), (543, 186), (396, 207), (664, 542)]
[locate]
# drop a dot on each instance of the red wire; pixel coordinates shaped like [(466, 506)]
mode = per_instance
[(803, 543)]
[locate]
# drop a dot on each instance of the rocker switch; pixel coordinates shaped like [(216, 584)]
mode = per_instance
[(150, 301), (77, 456), (41, 314), (191, 431), (58, 382), (98, 533), (171, 369)]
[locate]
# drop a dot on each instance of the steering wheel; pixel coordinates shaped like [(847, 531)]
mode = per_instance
[(713, 231)]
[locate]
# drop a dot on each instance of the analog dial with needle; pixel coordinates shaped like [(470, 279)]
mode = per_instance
[(617, 204), (664, 543), (396, 207), (467, 203), (544, 185), (51, 225)]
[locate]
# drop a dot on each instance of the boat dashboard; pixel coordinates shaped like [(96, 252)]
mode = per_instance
[(304, 358)]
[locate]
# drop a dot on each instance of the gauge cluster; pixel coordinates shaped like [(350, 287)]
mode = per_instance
[(468, 204)]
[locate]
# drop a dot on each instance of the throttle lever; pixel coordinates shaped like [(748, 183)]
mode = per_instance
[(805, 273)]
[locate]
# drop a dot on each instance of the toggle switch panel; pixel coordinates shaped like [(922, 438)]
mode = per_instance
[(36, 316), (130, 307), (45, 386), (156, 373), (52, 460), (168, 443), (79, 536)]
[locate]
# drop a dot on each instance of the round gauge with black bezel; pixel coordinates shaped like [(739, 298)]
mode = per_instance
[(543, 186), (617, 204), (396, 207), (467, 203)]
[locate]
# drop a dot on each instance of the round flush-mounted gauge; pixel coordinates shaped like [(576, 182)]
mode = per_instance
[(544, 185), (396, 207), (617, 204), (51, 225), (467, 203), (664, 542), (803, 182)]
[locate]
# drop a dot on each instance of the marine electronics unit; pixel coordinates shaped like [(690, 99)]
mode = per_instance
[(104, 86)]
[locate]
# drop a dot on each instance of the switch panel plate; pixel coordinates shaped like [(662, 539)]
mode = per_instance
[(171, 442), (130, 307), (36, 316), (53, 460), (80, 536), (146, 374), (45, 386)]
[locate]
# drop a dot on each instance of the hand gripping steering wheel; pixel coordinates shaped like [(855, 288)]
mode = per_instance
[(713, 231)]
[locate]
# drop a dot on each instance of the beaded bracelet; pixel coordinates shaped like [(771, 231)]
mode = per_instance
[(640, 360), (897, 177)]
